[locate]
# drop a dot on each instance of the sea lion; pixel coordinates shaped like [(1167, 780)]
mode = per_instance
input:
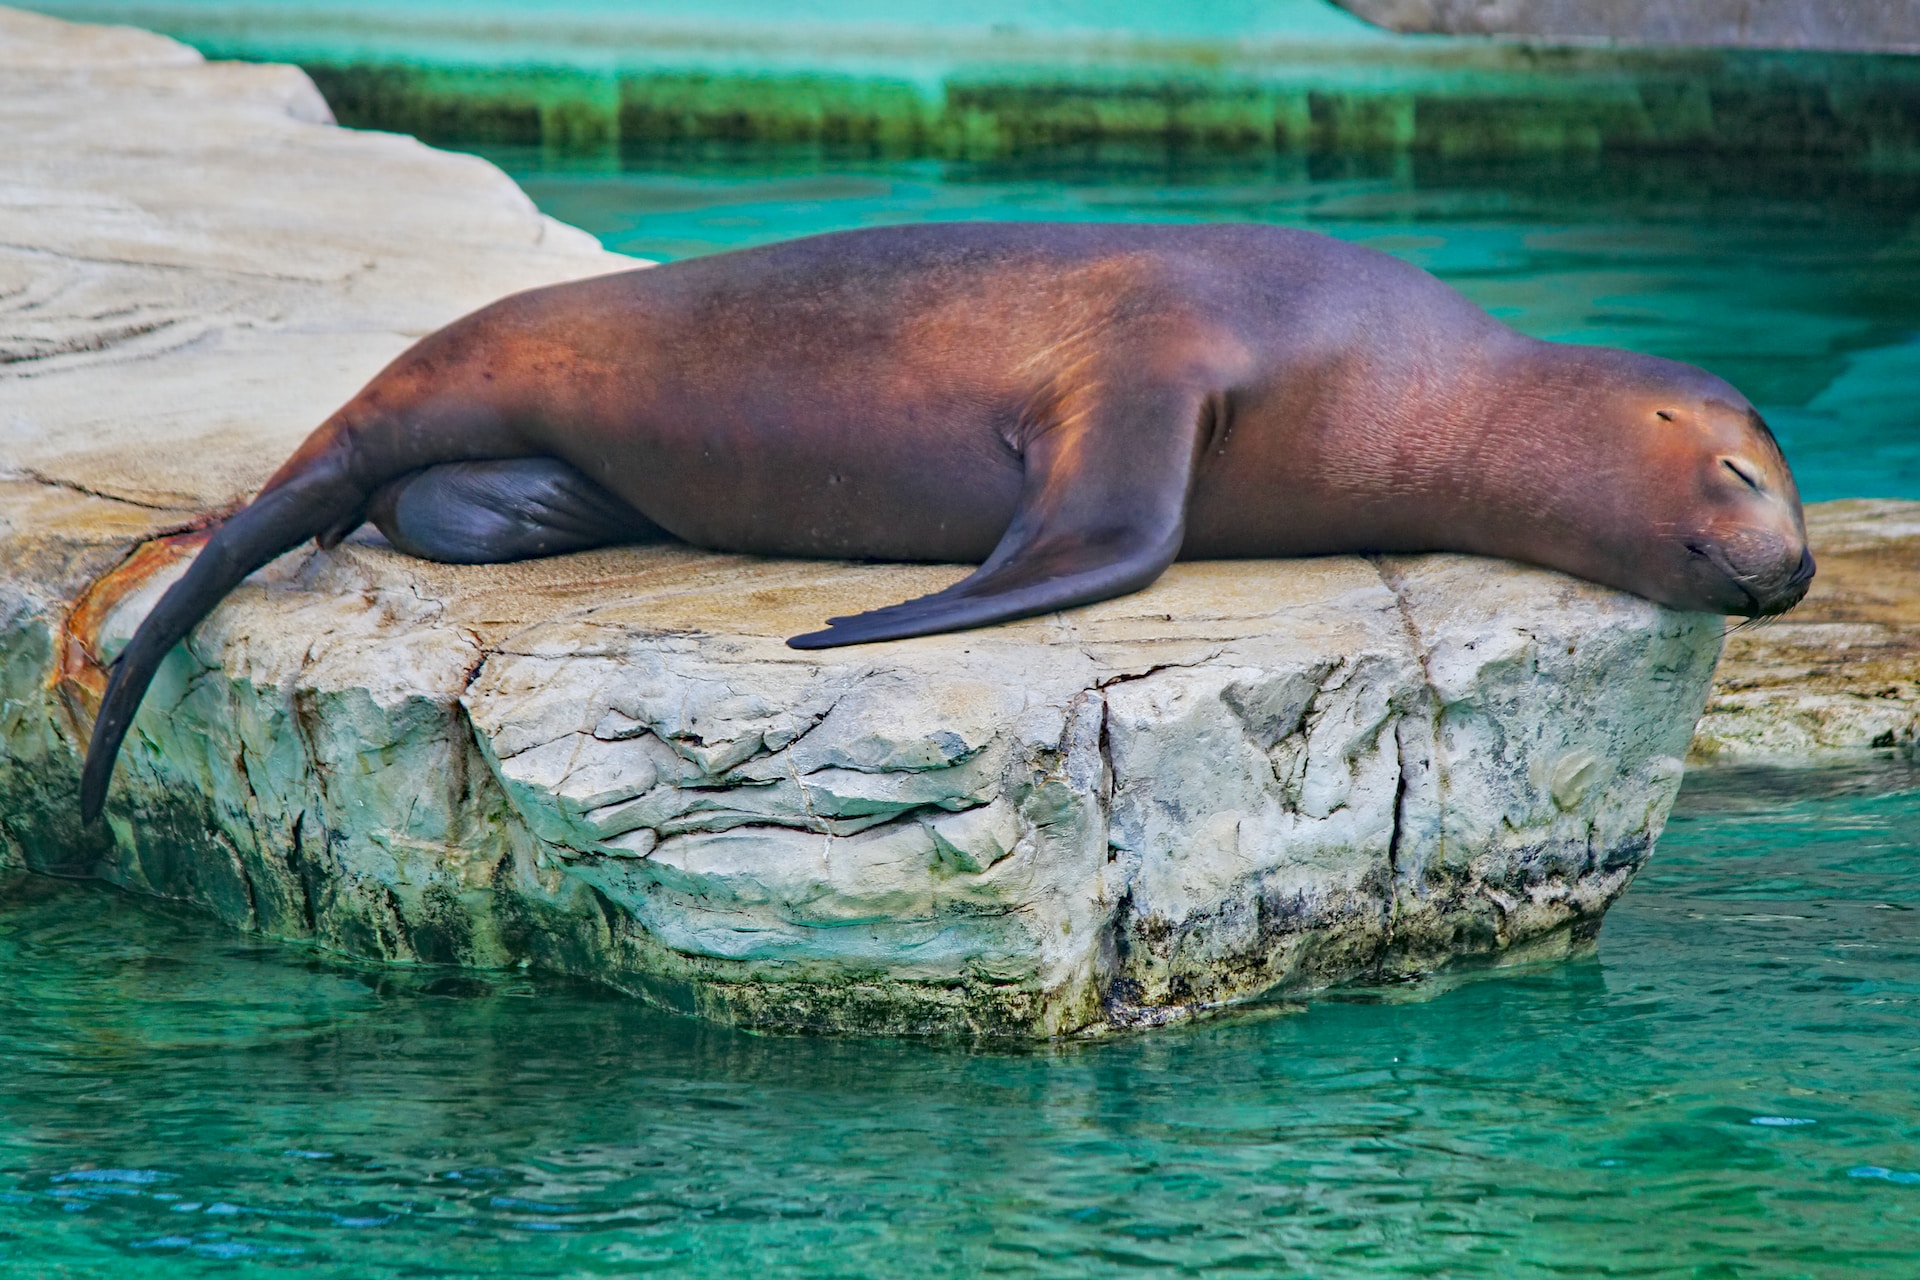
[(1071, 405)]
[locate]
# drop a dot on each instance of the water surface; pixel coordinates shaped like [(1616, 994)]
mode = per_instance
[(1724, 1088)]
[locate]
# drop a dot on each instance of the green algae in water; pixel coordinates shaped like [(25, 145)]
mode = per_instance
[(1799, 281), (1724, 1088), (1000, 76)]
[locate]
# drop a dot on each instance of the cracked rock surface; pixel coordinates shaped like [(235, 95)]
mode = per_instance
[(1253, 777)]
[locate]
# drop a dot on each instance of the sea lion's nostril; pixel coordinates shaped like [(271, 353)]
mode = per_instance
[(1803, 573)]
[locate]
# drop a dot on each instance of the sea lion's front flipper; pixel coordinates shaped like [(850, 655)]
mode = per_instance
[(1102, 512)]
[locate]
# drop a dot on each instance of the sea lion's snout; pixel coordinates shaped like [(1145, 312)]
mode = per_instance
[(1714, 508), (1794, 589), (1753, 555), (1753, 583)]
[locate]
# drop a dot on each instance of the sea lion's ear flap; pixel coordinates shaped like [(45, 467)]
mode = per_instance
[(1102, 513)]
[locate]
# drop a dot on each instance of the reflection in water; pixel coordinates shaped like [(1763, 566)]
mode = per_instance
[(1724, 1088), (1797, 281)]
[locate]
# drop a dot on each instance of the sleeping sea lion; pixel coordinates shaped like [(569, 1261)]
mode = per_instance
[(1072, 406)]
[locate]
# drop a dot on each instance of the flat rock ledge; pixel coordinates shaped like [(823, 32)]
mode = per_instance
[(1837, 681), (1252, 778)]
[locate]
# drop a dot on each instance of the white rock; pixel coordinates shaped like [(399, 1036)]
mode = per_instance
[(1252, 777)]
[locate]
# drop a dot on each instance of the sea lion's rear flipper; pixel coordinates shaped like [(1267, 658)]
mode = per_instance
[(507, 509), (305, 498), (1102, 513)]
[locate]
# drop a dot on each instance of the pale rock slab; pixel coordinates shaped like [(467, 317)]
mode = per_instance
[(1862, 26), (1836, 681), (1252, 778)]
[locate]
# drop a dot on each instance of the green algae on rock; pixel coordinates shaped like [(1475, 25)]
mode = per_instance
[(983, 80)]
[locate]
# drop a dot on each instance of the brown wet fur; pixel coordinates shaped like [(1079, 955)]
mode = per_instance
[(1075, 405)]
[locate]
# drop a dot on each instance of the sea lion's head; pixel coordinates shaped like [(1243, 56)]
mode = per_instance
[(1697, 509)]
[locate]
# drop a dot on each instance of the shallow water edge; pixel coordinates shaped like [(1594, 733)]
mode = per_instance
[(1717, 1087)]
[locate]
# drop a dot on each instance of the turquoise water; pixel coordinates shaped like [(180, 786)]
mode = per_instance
[(383, 20), (1724, 1088), (1799, 282)]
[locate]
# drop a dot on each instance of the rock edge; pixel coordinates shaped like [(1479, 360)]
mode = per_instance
[(1253, 777)]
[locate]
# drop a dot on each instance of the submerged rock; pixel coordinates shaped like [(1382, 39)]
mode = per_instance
[(1253, 777)]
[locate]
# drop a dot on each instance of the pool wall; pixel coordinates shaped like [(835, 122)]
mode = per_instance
[(585, 78)]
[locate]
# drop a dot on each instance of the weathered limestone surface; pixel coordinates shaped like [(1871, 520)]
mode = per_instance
[(192, 270), (1251, 777), (1885, 26)]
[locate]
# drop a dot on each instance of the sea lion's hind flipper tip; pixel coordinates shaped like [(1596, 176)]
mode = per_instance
[(103, 747), (92, 801), (279, 519)]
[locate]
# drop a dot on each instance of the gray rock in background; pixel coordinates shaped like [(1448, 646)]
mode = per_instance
[(1862, 26), (1254, 777), (1837, 681)]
